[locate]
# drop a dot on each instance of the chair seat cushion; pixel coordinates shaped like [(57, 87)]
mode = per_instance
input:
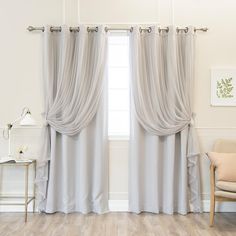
[(225, 164), (226, 186), (225, 194)]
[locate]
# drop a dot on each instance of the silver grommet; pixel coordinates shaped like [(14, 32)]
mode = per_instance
[(149, 29), (30, 28), (76, 29)]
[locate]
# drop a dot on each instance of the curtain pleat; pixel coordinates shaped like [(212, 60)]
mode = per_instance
[(78, 180), (164, 170), (158, 168)]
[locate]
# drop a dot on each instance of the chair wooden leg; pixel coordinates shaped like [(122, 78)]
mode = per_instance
[(212, 210), (212, 206)]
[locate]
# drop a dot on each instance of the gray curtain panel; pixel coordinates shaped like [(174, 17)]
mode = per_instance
[(164, 169), (75, 130)]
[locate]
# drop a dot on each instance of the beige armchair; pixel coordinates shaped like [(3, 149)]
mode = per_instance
[(221, 190)]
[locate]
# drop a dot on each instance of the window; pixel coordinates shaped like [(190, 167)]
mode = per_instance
[(118, 85)]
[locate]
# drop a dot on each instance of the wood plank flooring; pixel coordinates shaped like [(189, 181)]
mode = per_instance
[(116, 224)]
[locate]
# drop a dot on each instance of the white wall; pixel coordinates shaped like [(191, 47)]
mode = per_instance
[(20, 75), (20, 66)]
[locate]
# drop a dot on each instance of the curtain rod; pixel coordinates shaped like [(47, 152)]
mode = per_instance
[(95, 29)]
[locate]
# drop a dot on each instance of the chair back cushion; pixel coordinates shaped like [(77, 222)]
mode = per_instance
[(225, 165)]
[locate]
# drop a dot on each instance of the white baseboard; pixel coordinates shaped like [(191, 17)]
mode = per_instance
[(122, 206), (14, 208), (220, 206), (118, 205)]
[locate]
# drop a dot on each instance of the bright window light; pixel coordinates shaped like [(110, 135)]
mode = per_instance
[(118, 85)]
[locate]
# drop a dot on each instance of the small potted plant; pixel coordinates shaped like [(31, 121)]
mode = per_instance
[(21, 151)]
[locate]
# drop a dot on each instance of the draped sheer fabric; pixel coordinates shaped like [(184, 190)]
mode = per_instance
[(74, 78), (162, 78), (73, 84)]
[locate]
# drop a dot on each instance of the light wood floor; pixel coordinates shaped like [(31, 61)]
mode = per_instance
[(113, 224)]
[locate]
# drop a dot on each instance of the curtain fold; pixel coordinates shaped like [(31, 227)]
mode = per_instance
[(74, 102), (78, 176), (164, 171)]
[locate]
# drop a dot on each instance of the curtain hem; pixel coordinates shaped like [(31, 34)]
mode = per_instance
[(94, 208), (176, 210)]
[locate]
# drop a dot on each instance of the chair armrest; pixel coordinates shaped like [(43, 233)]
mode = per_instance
[(214, 167), (212, 175), (206, 153)]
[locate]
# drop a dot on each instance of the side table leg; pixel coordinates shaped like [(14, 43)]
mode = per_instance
[(26, 190), (34, 187)]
